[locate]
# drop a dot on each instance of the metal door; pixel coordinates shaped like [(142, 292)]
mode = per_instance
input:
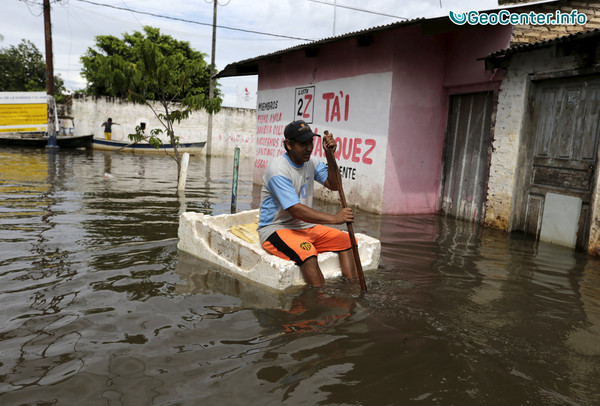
[(466, 157), (562, 148)]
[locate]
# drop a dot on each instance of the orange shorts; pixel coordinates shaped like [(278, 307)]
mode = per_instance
[(299, 245)]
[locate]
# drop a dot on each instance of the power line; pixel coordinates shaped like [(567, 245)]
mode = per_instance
[(359, 9), (192, 22), (30, 10)]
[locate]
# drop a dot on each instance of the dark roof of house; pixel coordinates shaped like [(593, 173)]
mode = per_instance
[(495, 59), (250, 66)]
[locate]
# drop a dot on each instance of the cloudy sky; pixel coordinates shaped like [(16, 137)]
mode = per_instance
[(76, 23)]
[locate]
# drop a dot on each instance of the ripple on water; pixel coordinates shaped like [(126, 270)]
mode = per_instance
[(98, 306)]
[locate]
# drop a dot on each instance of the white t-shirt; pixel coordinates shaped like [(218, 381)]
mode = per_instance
[(284, 185)]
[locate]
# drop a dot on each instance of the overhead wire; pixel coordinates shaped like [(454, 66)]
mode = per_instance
[(193, 22), (72, 14), (70, 46), (133, 14), (29, 8), (223, 5), (359, 9), (66, 3)]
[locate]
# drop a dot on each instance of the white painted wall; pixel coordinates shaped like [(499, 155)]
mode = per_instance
[(355, 110), (507, 136), (232, 127)]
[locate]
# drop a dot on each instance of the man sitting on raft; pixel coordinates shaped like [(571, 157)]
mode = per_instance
[(288, 226)]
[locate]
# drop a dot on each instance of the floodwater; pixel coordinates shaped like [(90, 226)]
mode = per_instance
[(99, 307)]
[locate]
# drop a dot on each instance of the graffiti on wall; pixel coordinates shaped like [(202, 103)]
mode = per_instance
[(236, 139), (342, 107), (355, 110)]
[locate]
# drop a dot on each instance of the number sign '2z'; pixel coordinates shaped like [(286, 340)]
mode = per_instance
[(305, 102)]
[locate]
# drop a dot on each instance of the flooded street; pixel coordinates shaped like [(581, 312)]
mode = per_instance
[(100, 308)]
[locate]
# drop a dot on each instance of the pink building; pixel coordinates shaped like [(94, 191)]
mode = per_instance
[(411, 105)]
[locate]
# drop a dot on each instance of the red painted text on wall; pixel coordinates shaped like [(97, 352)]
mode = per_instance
[(352, 149), (336, 103)]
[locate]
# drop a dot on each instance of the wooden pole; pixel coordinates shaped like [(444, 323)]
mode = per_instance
[(49, 77), (359, 270), (211, 86), (185, 160)]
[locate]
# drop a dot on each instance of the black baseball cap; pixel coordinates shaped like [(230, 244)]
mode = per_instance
[(299, 131)]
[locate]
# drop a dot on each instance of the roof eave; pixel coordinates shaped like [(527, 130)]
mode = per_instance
[(250, 66), (498, 59), (238, 69)]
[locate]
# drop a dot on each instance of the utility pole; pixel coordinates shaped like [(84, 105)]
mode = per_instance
[(211, 87), (49, 78), (334, 13)]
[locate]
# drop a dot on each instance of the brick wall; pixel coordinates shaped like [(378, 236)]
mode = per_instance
[(524, 34)]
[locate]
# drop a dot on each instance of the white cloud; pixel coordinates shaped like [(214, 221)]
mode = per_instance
[(75, 24)]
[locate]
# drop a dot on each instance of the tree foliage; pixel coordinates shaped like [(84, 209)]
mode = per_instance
[(155, 70), (23, 69), (100, 62)]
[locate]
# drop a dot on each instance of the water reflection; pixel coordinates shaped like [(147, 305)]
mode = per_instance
[(302, 342), (99, 307), (50, 265), (200, 277), (585, 338)]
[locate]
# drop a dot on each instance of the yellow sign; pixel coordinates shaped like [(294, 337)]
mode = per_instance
[(23, 129), (23, 114), (23, 111)]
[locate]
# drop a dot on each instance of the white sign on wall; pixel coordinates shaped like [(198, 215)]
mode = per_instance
[(355, 110), (246, 96), (305, 104)]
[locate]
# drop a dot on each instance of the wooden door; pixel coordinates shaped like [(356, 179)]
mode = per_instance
[(466, 157), (563, 145)]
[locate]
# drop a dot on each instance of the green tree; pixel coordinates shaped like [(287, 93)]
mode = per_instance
[(155, 70), (101, 83), (23, 69)]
